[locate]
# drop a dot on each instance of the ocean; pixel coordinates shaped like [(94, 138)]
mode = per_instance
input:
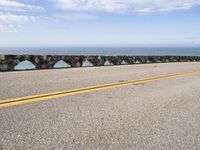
[(148, 51)]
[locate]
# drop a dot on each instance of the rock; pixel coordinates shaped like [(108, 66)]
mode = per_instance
[(8, 62)]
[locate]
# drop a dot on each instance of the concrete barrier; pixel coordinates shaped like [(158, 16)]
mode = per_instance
[(8, 62)]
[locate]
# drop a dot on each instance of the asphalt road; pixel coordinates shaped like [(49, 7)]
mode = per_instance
[(162, 114)]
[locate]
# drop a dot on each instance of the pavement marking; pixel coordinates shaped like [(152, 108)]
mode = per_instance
[(52, 95)]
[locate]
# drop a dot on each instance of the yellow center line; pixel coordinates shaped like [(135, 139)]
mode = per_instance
[(53, 95)]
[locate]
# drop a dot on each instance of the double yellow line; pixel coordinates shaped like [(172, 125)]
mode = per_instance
[(53, 95)]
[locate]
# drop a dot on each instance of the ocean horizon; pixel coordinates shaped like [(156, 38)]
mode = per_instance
[(139, 51)]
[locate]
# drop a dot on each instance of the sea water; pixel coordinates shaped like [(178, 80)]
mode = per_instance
[(147, 51)]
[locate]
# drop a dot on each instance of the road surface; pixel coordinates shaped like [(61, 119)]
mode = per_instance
[(153, 106)]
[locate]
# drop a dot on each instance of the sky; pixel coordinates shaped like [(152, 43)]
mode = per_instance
[(35, 23)]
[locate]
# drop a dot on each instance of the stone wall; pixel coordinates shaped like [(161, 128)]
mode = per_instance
[(8, 62)]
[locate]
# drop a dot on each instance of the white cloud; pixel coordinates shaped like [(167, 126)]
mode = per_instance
[(7, 18), (13, 17), (17, 6), (93, 5), (77, 16), (11, 23), (8, 28), (139, 6)]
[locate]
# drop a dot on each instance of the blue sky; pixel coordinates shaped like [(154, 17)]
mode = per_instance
[(99, 22)]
